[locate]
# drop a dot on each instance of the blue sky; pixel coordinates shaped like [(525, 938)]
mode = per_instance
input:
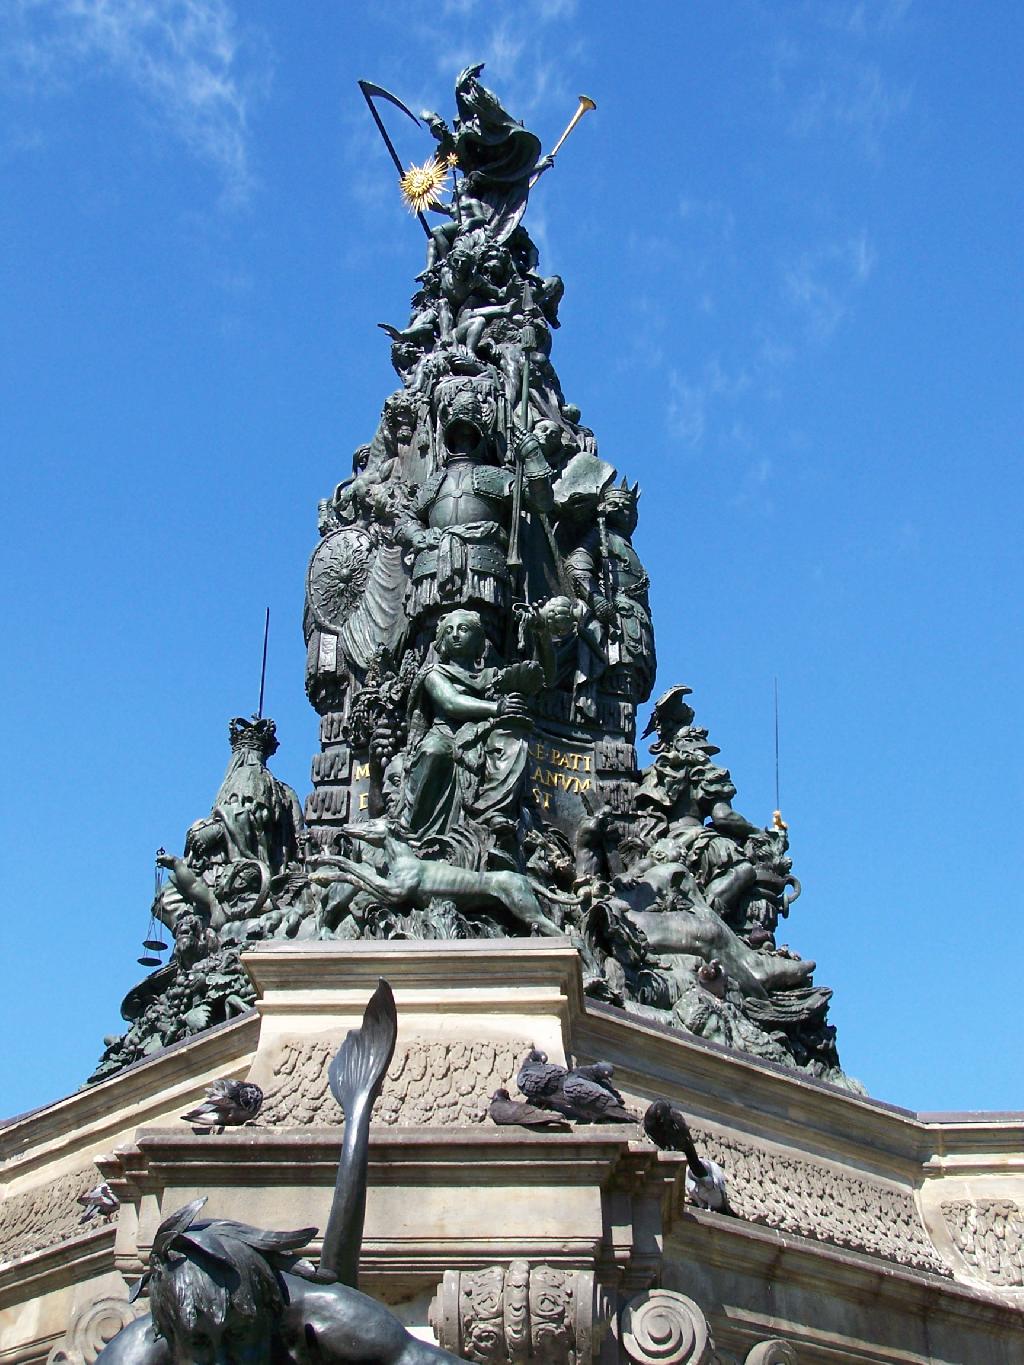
[(791, 239)]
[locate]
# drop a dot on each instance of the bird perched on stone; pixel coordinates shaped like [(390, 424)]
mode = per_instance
[(711, 975), (100, 1201), (540, 1080), (507, 1112), (575, 1094), (589, 1101), (705, 1180), (228, 1104), (600, 1073)]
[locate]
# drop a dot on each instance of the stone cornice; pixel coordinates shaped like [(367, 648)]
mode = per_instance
[(728, 1087), (713, 1240), (967, 1144), (524, 975), (398, 1156), (40, 1272), (96, 1115)]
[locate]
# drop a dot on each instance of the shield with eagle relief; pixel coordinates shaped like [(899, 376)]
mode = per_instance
[(355, 589)]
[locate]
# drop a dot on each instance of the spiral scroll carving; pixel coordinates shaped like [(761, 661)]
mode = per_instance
[(775, 1352), (662, 1327), (92, 1328)]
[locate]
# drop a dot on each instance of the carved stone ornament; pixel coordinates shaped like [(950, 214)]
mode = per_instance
[(436, 1084), (337, 576), (45, 1216), (92, 1328), (662, 1327), (811, 1199), (989, 1235), (510, 1315), (776, 1352)]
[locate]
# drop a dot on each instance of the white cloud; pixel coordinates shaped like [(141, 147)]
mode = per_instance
[(815, 294), (715, 218), (860, 101), (820, 284), (831, 74), (754, 486), (867, 16), (691, 397), (687, 409), (188, 59)]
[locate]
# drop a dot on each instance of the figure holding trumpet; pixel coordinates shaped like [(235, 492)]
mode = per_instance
[(494, 161)]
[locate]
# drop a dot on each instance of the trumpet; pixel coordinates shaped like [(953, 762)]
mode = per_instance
[(585, 105)]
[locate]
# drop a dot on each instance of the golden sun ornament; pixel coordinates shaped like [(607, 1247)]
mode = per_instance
[(421, 186)]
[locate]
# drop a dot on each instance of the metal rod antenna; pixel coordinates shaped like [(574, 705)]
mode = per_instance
[(777, 805), (263, 666)]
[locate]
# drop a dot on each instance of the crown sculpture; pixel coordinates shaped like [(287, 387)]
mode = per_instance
[(479, 638)]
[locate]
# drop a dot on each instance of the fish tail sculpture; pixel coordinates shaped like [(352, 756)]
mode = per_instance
[(356, 1076)]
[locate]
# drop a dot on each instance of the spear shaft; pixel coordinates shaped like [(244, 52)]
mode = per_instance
[(528, 340), (263, 666)]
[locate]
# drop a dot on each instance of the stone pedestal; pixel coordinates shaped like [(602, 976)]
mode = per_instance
[(860, 1231)]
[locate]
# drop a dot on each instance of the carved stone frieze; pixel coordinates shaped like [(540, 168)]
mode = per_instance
[(989, 1235), (92, 1328), (515, 1314), (663, 1327), (432, 1084), (44, 1216), (823, 1202)]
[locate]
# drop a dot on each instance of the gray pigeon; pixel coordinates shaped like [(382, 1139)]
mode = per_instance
[(541, 1080), (589, 1101), (667, 1128), (507, 1112), (228, 1104), (100, 1201), (600, 1073), (582, 1094), (707, 1191)]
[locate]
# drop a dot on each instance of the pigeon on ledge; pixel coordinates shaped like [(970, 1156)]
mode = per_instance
[(507, 1112), (600, 1073), (589, 1101), (705, 1180), (540, 1080), (100, 1201), (228, 1104), (583, 1094)]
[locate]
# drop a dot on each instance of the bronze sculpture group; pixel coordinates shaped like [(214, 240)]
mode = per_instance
[(479, 638)]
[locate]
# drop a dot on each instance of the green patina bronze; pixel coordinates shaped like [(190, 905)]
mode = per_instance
[(479, 638)]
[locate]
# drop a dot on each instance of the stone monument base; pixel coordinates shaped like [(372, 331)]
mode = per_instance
[(859, 1231)]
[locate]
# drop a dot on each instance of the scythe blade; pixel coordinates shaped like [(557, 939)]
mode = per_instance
[(372, 92)]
